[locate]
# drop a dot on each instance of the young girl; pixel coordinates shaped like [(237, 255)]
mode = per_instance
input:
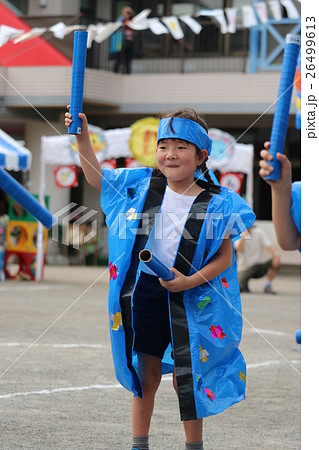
[(192, 325)]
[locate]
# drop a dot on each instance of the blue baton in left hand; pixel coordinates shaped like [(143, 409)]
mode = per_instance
[(281, 116)]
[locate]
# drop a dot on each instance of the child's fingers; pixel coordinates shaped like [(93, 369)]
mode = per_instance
[(67, 119), (264, 172), (265, 155), (267, 145), (265, 168), (264, 165)]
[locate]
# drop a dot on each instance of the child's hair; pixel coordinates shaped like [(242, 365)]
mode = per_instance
[(190, 113)]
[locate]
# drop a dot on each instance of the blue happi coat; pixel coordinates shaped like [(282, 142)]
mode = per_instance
[(206, 321)]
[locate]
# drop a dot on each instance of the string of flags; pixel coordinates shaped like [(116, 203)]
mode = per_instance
[(228, 19)]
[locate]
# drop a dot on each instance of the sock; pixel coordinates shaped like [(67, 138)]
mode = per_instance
[(140, 443), (268, 284), (194, 445)]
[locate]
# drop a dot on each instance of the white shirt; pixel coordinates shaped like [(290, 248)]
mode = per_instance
[(166, 234)]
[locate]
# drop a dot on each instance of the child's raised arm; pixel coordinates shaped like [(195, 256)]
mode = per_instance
[(287, 234), (89, 163)]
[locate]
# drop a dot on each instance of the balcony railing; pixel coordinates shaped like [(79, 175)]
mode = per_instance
[(210, 51), (267, 43)]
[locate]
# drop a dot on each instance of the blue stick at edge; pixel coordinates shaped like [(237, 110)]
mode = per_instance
[(298, 336), (25, 199), (77, 86), (156, 265), (281, 116)]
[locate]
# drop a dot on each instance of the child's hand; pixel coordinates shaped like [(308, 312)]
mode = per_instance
[(178, 284), (84, 122), (284, 181), (68, 117)]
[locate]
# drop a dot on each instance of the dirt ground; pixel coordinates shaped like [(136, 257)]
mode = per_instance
[(58, 389)]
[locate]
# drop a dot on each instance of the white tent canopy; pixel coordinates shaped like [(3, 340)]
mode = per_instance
[(13, 156)]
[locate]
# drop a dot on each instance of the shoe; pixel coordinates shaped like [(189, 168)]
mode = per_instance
[(268, 290)]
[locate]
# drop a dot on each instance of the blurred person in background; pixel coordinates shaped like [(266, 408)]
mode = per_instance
[(250, 259)]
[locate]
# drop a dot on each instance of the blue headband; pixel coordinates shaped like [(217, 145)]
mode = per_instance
[(185, 129)]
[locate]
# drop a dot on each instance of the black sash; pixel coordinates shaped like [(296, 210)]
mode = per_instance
[(181, 344), (151, 207)]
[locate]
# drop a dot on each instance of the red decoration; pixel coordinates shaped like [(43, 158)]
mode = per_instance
[(26, 263), (225, 284), (131, 163), (109, 164), (217, 332), (232, 181), (66, 176), (209, 394), (113, 269)]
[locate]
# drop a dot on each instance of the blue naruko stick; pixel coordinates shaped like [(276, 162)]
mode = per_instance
[(298, 336), (77, 86), (25, 199), (281, 116), (156, 265)]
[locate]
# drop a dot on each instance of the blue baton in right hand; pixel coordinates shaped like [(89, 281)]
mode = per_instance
[(77, 86), (156, 265)]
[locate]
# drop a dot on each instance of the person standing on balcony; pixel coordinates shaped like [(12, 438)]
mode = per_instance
[(123, 39)]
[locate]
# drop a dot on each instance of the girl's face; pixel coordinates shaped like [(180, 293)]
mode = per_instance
[(178, 159)]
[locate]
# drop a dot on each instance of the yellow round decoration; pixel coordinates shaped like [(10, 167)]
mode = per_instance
[(143, 141)]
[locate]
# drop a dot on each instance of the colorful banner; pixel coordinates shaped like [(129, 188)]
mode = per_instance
[(156, 26), (249, 18), (231, 14), (159, 25), (192, 23), (173, 26), (292, 11), (261, 9), (275, 9)]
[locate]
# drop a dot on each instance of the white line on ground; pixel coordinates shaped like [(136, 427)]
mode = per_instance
[(26, 344), (24, 288), (116, 386), (262, 331), (69, 389)]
